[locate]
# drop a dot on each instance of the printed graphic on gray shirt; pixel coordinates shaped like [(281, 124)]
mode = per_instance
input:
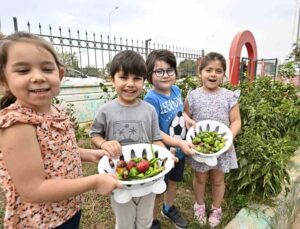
[(128, 131)]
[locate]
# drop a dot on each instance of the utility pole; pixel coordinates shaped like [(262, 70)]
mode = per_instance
[(297, 41), (298, 24), (15, 24)]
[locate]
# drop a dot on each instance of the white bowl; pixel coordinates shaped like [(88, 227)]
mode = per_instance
[(210, 125), (137, 188)]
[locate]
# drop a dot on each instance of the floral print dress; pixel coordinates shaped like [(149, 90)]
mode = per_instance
[(213, 106), (61, 158)]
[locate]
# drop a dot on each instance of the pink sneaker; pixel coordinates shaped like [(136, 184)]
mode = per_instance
[(200, 213), (215, 217)]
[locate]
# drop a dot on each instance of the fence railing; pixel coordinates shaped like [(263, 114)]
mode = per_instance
[(92, 53)]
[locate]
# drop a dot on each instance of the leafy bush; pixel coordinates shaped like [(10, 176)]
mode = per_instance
[(187, 84), (270, 113), (287, 70)]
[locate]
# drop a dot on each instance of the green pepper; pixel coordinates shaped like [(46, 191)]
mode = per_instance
[(133, 172), (154, 172), (136, 159), (119, 176), (141, 175), (153, 161), (149, 170)]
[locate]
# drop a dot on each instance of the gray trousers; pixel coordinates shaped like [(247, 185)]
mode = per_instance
[(136, 214)]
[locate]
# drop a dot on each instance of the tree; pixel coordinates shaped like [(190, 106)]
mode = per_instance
[(295, 54), (68, 59), (187, 68), (287, 70), (92, 71)]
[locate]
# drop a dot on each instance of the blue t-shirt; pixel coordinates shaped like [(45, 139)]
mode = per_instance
[(167, 108)]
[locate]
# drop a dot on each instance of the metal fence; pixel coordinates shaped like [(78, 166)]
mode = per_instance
[(267, 67), (263, 67), (92, 53)]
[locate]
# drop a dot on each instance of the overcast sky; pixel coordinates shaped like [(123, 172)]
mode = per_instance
[(195, 24)]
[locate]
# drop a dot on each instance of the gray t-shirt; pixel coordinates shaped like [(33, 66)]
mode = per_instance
[(127, 125)]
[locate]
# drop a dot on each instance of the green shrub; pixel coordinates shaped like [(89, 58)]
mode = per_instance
[(80, 132), (270, 113)]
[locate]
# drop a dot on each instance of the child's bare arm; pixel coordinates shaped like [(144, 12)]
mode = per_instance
[(22, 156), (98, 140), (189, 122), (112, 147), (159, 143), (235, 120), (92, 155), (185, 146)]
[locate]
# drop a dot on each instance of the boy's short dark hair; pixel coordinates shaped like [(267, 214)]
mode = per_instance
[(162, 55), (130, 62)]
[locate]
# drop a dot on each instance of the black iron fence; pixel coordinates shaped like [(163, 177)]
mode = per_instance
[(92, 53)]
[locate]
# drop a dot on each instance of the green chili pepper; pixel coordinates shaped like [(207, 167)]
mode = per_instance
[(136, 159), (133, 172), (150, 170), (141, 175), (153, 161), (154, 172)]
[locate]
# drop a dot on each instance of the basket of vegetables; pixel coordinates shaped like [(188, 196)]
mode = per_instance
[(211, 139), (141, 169)]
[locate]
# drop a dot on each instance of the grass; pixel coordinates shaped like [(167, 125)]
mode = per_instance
[(97, 213)]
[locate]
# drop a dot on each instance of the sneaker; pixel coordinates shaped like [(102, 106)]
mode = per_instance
[(155, 224), (200, 213), (215, 217), (175, 217)]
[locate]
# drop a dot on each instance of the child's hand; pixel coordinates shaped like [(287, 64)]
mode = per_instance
[(106, 183), (190, 123), (92, 155), (186, 147), (112, 147), (173, 152), (97, 154), (230, 148)]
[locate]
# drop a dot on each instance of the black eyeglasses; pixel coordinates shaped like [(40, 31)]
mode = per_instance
[(161, 72)]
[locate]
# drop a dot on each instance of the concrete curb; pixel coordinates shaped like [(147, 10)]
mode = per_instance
[(279, 217)]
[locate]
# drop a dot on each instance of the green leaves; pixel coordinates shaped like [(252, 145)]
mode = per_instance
[(187, 84), (270, 113)]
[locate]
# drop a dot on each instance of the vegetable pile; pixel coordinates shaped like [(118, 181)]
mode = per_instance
[(138, 168), (208, 142)]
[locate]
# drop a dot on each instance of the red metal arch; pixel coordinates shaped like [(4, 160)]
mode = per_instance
[(242, 38)]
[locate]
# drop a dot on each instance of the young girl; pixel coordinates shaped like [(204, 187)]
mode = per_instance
[(40, 162), (215, 103)]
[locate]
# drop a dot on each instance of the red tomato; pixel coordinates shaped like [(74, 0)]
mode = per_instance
[(143, 166)]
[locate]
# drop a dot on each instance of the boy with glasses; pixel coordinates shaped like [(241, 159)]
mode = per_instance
[(167, 100)]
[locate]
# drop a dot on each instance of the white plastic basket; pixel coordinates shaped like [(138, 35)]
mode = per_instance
[(137, 188), (210, 125)]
